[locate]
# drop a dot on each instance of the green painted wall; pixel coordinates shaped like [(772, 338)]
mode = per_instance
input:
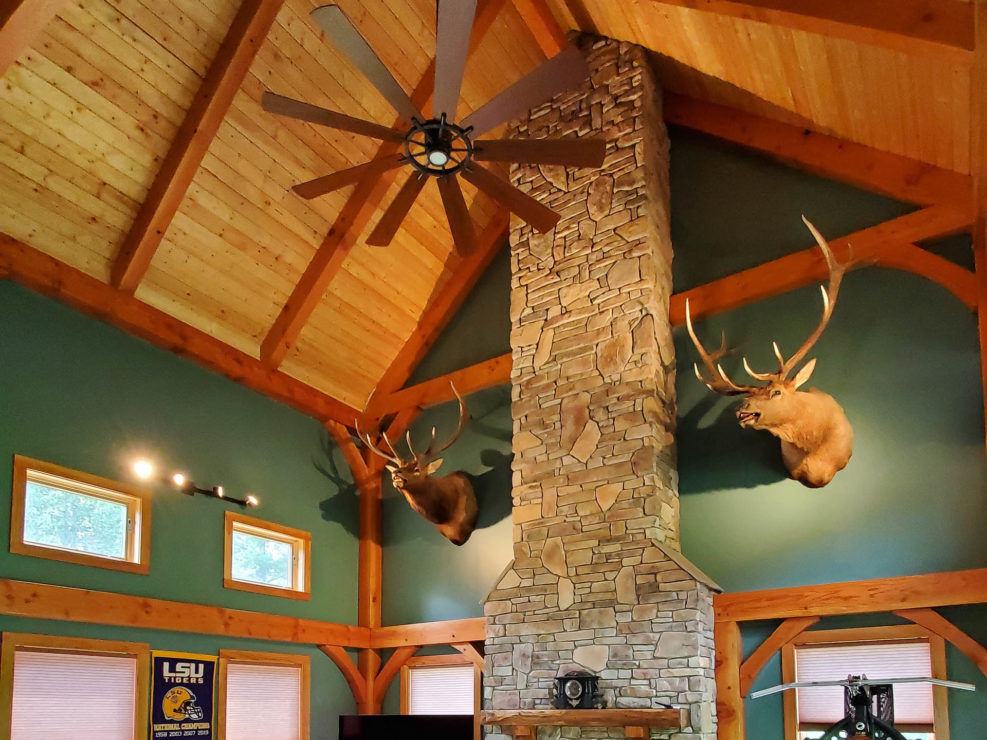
[(84, 395), (900, 355)]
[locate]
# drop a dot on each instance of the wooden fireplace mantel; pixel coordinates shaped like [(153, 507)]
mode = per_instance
[(636, 722)]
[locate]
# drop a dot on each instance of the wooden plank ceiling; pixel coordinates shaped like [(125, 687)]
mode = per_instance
[(109, 94)]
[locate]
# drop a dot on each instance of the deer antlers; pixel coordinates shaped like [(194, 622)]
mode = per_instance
[(430, 452), (721, 383)]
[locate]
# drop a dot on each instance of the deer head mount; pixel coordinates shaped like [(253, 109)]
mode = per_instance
[(816, 438), (448, 502)]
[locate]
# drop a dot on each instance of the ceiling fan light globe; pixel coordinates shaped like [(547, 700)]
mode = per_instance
[(437, 158)]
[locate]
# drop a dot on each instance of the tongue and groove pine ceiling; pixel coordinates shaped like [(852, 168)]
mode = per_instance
[(133, 149)]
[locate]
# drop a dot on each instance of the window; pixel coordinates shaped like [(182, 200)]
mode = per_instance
[(263, 695), (266, 558), (440, 684), (49, 686), (62, 514), (878, 652)]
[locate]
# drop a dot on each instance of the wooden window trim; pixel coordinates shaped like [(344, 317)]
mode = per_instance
[(301, 550), (863, 636), (138, 502), (275, 659), (437, 660), (14, 641)]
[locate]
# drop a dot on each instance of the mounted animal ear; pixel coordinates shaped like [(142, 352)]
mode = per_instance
[(433, 466), (805, 373)]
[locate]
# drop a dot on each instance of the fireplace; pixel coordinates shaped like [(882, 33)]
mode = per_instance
[(597, 583)]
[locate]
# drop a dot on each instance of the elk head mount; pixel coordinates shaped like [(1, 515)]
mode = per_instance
[(816, 438), (448, 501)]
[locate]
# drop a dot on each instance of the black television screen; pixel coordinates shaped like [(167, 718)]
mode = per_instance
[(406, 727)]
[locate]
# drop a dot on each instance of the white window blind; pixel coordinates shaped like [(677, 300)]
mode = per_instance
[(912, 702), (263, 702), (441, 689), (68, 696)]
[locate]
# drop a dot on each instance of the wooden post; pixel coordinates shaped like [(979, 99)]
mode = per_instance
[(729, 702), (370, 560), (978, 164)]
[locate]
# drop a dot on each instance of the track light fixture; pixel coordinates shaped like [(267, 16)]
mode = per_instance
[(189, 488), (144, 470)]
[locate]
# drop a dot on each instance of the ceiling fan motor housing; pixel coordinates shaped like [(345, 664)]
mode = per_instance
[(436, 147)]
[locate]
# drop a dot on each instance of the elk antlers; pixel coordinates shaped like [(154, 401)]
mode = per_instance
[(430, 452), (721, 383)]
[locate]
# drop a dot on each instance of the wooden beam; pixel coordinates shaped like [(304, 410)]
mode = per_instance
[(430, 633), (209, 107), (856, 597), (41, 601), (942, 29), (370, 556), (470, 651), (351, 673), (48, 276), (468, 380), (936, 623), (729, 702), (617, 717), (804, 268), (870, 169), (450, 296), (537, 16), (20, 23), (784, 634), (978, 150), (957, 280), (351, 221), (392, 668)]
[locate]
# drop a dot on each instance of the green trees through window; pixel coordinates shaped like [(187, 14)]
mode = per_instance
[(262, 560), (74, 521)]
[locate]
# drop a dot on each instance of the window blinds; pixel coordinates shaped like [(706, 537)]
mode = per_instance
[(441, 690), (824, 705), (263, 702), (67, 696)]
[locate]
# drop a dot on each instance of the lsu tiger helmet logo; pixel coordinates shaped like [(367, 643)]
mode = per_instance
[(179, 704)]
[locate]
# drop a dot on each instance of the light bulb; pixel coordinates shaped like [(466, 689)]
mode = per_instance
[(178, 479), (219, 491), (143, 469), (252, 500)]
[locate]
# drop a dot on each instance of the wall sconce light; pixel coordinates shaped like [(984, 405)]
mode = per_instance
[(144, 469), (189, 488)]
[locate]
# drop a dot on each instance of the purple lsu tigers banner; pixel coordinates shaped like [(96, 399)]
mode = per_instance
[(182, 695)]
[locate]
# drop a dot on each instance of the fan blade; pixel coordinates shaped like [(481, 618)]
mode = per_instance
[(564, 71), (540, 217), (452, 42), (389, 223), (328, 183), (460, 223), (344, 34), (292, 108), (569, 152)]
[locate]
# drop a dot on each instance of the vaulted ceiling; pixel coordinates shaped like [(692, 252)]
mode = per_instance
[(133, 148)]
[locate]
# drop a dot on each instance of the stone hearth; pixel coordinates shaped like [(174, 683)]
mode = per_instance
[(597, 581)]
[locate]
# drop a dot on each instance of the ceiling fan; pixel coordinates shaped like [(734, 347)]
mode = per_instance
[(442, 147)]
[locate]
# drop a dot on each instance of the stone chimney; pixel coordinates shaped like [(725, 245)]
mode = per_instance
[(598, 582)]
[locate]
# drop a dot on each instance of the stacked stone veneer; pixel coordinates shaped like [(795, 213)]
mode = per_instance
[(597, 581)]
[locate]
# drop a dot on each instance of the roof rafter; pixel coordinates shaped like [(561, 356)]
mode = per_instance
[(350, 222), (20, 23), (878, 244), (537, 16), (451, 293), (854, 164), (938, 28), (48, 276), (250, 27)]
